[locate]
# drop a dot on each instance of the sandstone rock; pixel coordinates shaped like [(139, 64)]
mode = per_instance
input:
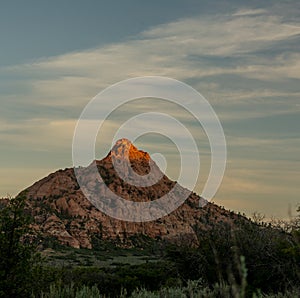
[(61, 210)]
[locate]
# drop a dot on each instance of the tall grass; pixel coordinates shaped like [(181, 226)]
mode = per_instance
[(193, 289), (69, 291)]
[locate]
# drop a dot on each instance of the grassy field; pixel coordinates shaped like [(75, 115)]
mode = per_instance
[(67, 256)]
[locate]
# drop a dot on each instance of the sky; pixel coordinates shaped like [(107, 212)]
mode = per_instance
[(242, 56)]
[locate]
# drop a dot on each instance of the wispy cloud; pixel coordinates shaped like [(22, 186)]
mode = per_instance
[(250, 12), (181, 49), (205, 50)]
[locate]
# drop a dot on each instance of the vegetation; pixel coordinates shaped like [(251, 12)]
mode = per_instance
[(192, 289), (248, 257), (251, 259), (18, 258)]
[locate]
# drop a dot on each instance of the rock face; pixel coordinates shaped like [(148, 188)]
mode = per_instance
[(61, 210)]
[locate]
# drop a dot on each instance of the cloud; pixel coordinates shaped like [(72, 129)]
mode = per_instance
[(179, 49), (249, 12), (193, 49)]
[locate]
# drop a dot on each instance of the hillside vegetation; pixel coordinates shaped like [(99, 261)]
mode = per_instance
[(253, 259)]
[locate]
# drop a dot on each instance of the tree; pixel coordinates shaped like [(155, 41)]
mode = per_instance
[(17, 253)]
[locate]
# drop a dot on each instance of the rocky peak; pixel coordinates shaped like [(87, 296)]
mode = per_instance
[(61, 210), (125, 149), (126, 156)]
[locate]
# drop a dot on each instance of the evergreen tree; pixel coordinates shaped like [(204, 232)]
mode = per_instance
[(17, 253)]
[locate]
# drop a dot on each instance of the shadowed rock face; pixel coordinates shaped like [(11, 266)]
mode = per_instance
[(62, 211)]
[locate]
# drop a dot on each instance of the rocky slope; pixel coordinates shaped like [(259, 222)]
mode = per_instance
[(61, 210)]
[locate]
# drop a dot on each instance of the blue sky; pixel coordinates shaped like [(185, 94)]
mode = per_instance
[(243, 56)]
